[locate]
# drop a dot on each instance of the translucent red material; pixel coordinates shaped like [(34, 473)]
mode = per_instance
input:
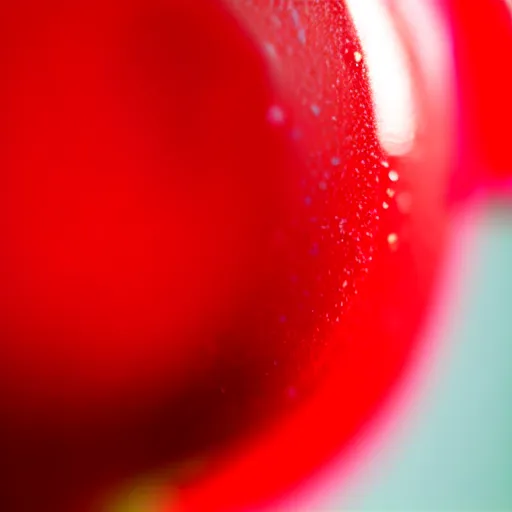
[(482, 41), (208, 255)]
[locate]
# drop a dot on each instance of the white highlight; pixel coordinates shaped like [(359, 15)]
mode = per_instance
[(388, 71)]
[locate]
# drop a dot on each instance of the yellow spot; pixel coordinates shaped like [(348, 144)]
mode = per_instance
[(150, 493)]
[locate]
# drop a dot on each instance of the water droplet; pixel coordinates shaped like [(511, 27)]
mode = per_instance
[(315, 109), (384, 164), (393, 176), (271, 50), (342, 225), (385, 205), (301, 36), (390, 192), (392, 239), (276, 115), (358, 57), (295, 17)]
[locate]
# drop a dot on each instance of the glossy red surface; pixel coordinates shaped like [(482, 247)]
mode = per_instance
[(209, 255), (372, 338), (482, 39)]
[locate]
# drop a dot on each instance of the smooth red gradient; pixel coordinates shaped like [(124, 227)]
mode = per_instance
[(482, 41), (197, 262), (138, 159)]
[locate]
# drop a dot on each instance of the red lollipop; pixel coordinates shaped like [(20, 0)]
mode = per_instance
[(206, 247)]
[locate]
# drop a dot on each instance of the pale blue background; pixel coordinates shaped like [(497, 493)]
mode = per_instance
[(456, 453)]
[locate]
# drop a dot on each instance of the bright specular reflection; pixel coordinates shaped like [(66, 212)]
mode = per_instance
[(387, 66)]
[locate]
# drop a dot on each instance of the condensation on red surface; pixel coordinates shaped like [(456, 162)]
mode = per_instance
[(393, 223), (252, 307)]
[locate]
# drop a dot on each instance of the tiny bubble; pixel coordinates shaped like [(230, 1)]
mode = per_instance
[(392, 239), (393, 176), (271, 50), (301, 36), (276, 115), (295, 17)]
